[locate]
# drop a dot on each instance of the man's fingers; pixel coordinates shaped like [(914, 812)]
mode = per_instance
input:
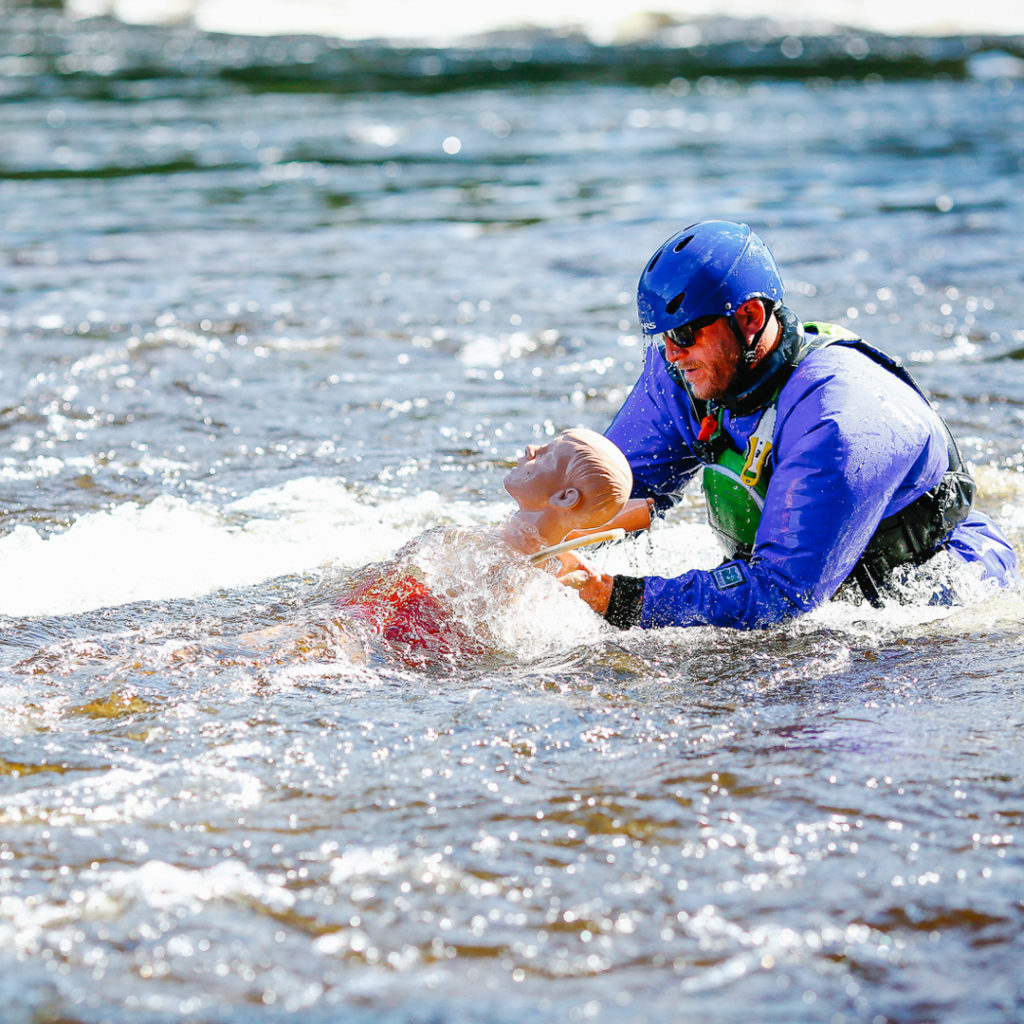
[(577, 579)]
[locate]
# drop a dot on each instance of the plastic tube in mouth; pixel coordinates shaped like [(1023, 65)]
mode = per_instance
[(578, 542)]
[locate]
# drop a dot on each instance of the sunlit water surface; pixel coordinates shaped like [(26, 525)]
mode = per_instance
[(276, 318)]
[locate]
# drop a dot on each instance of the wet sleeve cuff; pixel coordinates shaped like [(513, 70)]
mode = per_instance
[(626, 601)]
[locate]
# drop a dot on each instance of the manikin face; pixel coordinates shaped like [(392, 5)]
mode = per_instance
[(710, 363), (539, 475)]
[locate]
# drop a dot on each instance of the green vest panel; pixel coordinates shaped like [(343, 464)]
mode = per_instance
[(734, 507), (735, 486)]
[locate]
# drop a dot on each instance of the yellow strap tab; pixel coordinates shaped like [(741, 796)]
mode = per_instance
[(758, 447)]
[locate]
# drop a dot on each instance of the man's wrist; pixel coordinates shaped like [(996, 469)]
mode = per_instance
[(626, 601)]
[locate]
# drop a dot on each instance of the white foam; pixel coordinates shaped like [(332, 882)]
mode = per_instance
[(500, 599), (171, 548), (166, 886)]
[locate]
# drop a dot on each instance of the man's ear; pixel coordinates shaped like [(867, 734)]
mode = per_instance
[(567, 497), (751, 316)]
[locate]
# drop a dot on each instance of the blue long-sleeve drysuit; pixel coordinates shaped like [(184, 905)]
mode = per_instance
[(852, 445)]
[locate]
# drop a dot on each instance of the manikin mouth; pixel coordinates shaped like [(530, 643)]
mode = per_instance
[(521, 531)]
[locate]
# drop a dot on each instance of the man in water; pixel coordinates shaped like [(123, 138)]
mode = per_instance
[(822, 461)]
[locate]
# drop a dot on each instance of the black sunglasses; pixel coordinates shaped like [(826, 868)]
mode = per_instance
[(685, 336)]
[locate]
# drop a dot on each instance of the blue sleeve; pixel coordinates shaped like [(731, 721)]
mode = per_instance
[(654, 429), (979, 541), (853, 444)]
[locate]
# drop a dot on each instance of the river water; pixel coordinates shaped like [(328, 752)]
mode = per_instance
[(278, 314)]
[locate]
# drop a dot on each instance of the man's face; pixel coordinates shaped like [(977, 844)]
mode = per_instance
[(710, 363), (539, 474)]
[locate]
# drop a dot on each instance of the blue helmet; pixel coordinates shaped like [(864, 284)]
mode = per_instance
[(708, 269)]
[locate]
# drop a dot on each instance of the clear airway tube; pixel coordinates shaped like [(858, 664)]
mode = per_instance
[(568, 545)]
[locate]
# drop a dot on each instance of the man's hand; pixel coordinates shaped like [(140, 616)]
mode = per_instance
[(595, 588), (634, 517)]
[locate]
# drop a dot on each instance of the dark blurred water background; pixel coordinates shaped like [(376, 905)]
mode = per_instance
[(276, 308)]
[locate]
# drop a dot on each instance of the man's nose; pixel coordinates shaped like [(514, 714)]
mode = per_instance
[(672, 350)]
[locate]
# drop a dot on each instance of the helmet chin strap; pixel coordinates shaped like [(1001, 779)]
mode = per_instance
[(748, 348)]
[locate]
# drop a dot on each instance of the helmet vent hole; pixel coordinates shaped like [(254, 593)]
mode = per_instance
[(650, 266), (681, 245), (673, 304)]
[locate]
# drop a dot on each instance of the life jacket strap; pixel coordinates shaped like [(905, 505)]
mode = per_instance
[(915, 533), (759, 444)]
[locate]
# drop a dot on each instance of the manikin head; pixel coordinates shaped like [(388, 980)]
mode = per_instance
[(577, 481)]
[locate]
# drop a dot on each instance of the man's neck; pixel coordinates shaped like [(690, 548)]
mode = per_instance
[(768, 341), (753, 387)]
